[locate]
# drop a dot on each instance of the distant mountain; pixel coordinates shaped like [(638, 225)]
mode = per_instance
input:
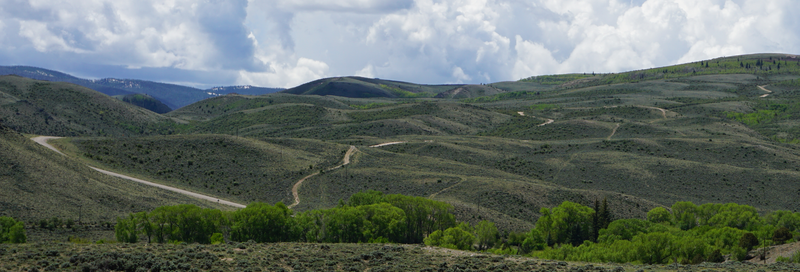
[(145, 101), (243, 89), (360, 87), (174, 96)]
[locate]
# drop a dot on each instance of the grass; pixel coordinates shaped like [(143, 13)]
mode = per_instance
[(238, 169), (63, 109), (41, 184)]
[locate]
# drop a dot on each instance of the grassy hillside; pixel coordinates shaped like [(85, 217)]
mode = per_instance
[(359, 87), (239, 169), (145, 101), (63, 109), (41, 184)]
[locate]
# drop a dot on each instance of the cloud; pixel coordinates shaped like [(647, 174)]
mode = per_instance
[(349, 6), (283, 43)]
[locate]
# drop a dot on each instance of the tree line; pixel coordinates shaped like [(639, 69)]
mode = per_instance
[(685, 233), (366, 217)]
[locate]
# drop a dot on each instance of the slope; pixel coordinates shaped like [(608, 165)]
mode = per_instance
[(63, 109), (40, 184), (359, 87)]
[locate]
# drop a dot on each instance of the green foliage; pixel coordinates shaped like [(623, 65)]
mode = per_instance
[(738, 254), (658, 215), (262, 222), (568, 223), (455, 238), (486, 234), (748, 241), (12, 231), (623, 229), (782, 235), (654, 248)]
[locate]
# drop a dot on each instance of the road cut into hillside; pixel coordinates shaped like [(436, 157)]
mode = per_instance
[(389, 143), (549, 121), (763, 88), (42, 140), (296, 186)]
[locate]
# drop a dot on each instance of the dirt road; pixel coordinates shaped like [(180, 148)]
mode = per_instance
[(390, 143), (764, 89), (614, 131), (296, 186), (42, 140), (549, 121)]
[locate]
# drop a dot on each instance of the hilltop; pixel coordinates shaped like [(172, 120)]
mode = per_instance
[(64, 109)]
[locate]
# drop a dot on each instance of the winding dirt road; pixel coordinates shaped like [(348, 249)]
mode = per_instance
[(296, 186), (764, 89), (549, 121), (42, 140)]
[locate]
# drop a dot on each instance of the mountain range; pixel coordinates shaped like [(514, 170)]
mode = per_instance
[(172, 95)]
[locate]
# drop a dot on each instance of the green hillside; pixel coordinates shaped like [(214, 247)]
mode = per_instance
[(359, 87), (40, 184), (64, 109), (145, 101)]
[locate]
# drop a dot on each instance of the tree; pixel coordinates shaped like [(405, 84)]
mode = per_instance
[(534, 240), (455, 238), (748, 241), (486, 233), (567, 223), (781, 235), (125, 229), (12, 231), (653, 248), (658, 215), (684, 214)]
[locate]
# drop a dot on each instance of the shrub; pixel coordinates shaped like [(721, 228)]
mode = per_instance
[(716, 257), (738, 254), (748, 241), (782, 235)]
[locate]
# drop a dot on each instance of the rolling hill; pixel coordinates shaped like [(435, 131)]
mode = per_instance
[(704, 132), (41, 184), (64, 109), (144, 101), (360, 87)]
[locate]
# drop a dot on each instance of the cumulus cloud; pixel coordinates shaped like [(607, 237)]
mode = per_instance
[(284, 43)]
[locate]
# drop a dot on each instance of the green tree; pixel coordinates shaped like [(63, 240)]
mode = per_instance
[(623, 229), (262, 222), (486, 233), (684, 214), (455, 238), (653, 248), (658, 215), (12, 231), (785, 219), (534, 240), (125, 229), (781, 235)]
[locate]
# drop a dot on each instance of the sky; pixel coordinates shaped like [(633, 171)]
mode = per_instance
[(284, 43)]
